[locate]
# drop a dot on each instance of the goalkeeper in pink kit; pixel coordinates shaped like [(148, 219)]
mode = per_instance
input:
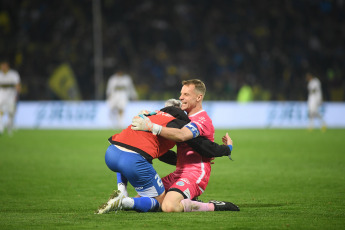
[(192, 173)]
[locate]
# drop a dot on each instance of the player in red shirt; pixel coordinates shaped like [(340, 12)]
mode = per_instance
[(192, 173)]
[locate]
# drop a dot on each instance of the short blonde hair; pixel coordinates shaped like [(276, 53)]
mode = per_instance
[(199, 85)]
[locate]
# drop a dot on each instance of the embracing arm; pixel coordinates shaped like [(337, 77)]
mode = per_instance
[(207, 148), (210, 149), (178, 135), (187, 133), (143, 123), (169, 157)]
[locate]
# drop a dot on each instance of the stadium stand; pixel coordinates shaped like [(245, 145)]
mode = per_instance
[(268, 44)]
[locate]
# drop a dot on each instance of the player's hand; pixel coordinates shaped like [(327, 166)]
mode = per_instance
[(142, 123), (227, 140)]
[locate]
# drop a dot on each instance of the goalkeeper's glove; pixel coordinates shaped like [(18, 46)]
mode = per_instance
[(143, 123)]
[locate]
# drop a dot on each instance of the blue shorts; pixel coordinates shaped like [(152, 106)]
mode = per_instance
[(138, 171)]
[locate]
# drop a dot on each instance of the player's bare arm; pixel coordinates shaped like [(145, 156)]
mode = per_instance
[(178, 135), (143, 123)]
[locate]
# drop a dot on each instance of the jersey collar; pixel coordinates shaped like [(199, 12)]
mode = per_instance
[(196, 113)]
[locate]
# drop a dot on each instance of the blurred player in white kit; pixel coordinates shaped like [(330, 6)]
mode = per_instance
[(314, 100), (120, 90), (9, 89)]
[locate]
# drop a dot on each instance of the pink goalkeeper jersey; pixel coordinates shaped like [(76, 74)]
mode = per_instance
[(187, 158)]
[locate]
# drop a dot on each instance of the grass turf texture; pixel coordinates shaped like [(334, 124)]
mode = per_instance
[(281, 179)]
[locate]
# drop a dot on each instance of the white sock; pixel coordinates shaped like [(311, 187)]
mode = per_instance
[(128, 203), (123, 188)]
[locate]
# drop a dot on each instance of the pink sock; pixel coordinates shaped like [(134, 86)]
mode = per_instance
[(195, 206)]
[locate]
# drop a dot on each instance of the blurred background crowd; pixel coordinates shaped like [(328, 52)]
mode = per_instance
[(268, 45)]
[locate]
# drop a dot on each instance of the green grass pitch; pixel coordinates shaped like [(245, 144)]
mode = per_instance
[(281, 179)]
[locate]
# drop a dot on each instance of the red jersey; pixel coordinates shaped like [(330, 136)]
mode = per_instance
[(145, 143)]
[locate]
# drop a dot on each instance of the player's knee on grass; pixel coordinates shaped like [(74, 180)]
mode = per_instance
[(171, 206), (168, 207), (172, 202)]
